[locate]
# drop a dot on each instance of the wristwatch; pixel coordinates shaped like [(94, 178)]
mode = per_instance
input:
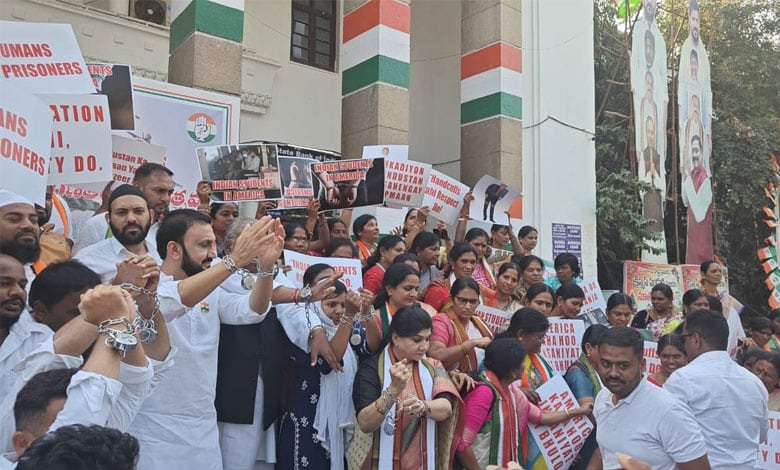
[(305, 294), (122, 341)]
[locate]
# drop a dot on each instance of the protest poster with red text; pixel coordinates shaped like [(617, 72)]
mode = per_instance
[(495, 319), (345, 184), (652, 361), (25, 143), (594, 298), (444, 196), (769, 450), (560, 443), (247, 172), (42, 58), (81, 139), (129, 154), (116, 82), (405, 182), (296, 180), (353, 273), (563, 343)]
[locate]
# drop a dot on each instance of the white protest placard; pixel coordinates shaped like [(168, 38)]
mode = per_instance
[(495, 319), (492, 200), (594, 298), (396, 152), (652, 361), (129, 154), (563, 343), (353, 273), (769, 450), (80, 139), (444, 196), (25, 143), (405, 182), (560, 443), (42, 58)]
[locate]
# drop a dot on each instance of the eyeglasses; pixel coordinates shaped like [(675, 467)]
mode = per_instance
[(465, 301)]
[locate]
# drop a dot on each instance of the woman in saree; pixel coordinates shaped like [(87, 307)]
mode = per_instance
[(462, 259), (671, 353), (655, 318), (540, 297), (530, 327), (531, 272), (399, 289), (405, 402), (493, 415), (460, 336), (507, 280)]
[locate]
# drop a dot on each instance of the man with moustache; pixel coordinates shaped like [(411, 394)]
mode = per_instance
[(637, 418), (127, 256), (156, 183), (19, 230), (177, 424)]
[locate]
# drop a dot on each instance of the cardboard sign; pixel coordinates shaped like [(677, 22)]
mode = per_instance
[(353, 273), (495, 319), (81, 139), (405, 182), (652, 361), (594, 298), (42, 58), (129, 154), (25, 143), (560, 443), (296, 180), (241, 173), (115, 81), (594, 317), (492, 200), (769, 450), (444, 196), (395, 152), (349, 183), (563, 344)]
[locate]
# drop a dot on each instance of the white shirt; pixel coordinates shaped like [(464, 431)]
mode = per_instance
[(24, 337), (103, 256), (91, 398), (177, 424), (245, 444), (650, 425), (730, 405)]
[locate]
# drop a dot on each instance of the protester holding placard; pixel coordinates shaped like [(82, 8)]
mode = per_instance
[(483, 271), (366, 232), (619, 309), (767, 369), (459, 336), (585, 383), (567, 269), (507, 280), (660, 314), (462, 259), (540, 297), (405, 402), (414, 224), (297, 239), (222, 213), (503, 235), (568, 301), (426, 246), (495, 416), (671, 353), (376, 264)]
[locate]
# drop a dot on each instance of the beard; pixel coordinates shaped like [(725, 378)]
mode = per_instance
[(24, 251), (129, 239), (10, 311), (189, 266)]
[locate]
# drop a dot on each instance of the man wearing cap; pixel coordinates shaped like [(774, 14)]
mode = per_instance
[(127, 256), (156, 183), (19, 230)]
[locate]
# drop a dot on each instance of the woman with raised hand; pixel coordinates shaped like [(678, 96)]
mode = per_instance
[(404, 401)]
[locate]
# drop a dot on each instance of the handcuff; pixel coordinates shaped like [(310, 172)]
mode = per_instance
[(248, 278), (145, 327), (121, 340)]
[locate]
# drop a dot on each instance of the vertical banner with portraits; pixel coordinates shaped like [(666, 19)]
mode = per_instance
[(694, 99), (648, 83)]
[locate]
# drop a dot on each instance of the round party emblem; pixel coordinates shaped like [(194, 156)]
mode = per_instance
[(201, 127)]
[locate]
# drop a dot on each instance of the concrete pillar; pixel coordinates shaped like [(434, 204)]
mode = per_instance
[(205, 44), (491, 104), (374, 74)]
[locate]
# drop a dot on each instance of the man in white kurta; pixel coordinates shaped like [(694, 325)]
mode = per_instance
[(177, 425)]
